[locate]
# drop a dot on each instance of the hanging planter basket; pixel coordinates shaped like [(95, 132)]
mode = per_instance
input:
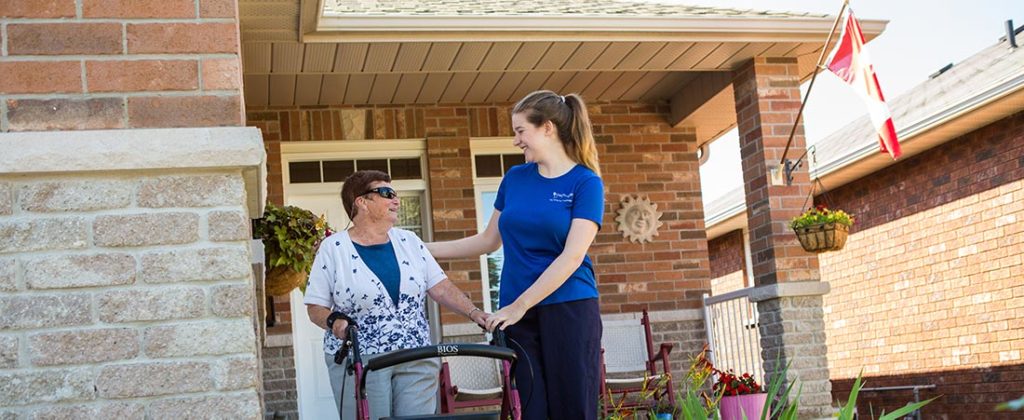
[(290, 236), (822, 237), (282, 280)]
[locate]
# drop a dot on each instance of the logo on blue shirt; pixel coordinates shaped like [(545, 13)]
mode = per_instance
[(561, 198)]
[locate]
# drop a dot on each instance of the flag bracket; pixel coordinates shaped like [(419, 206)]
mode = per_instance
[(790, 167)]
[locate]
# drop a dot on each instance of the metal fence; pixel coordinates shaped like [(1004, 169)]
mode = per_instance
[(734, 340)]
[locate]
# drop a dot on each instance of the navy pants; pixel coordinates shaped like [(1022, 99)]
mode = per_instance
[(562, 342)]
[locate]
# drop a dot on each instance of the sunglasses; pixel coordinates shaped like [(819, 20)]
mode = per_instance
[(386, 192)]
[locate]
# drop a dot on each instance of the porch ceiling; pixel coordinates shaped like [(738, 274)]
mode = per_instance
[(294, 54)]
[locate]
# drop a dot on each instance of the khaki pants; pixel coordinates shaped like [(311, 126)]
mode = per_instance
[(406, 389)]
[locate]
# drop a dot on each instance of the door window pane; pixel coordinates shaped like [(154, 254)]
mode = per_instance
[(304, 172), (338, 170), (372, 164), (513, 160), (405, 169), (488, 165)]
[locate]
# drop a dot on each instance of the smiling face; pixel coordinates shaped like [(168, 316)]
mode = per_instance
[(536, 141), (376, 208)]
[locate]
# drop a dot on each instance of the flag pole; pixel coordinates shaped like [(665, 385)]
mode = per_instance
[(800, 113)]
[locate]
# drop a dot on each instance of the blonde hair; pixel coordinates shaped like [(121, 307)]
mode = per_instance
[(569, 115)]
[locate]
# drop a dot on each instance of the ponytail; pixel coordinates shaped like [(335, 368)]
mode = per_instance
[(581, 146), (569, 115)]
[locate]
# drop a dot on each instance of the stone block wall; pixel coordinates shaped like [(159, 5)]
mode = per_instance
[(279, 394), (126, 293), (793, 334)]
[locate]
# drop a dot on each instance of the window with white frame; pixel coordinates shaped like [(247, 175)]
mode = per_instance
[(314, 171), (492, 158)]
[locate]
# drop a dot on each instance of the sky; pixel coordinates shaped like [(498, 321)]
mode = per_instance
[(921, 37)]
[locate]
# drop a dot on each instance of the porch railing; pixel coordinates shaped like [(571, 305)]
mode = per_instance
[(734, 341)]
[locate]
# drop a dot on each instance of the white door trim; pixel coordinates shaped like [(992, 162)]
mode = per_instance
[(310, 375), (355, 148)]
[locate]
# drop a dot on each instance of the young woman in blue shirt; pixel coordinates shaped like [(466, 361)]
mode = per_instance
[(547, 213)]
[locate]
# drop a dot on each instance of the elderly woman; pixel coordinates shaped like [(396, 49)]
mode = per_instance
[(379, 276)]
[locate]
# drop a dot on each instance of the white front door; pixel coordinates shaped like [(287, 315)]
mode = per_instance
[(316, 399), (320, 195)]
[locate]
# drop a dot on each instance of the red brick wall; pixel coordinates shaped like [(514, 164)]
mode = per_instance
[(725, 255), (928, 289), (106, 64), (639, 153)]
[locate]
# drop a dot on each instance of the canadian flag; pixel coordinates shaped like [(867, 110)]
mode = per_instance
[(851, 62)]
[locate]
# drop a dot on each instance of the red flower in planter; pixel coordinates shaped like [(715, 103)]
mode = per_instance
[(729, 383)]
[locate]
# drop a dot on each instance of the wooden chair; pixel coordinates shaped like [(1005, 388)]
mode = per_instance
[(469, 382), (627, 352)]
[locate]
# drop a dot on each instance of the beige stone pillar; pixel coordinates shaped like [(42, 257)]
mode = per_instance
[(125, 279)]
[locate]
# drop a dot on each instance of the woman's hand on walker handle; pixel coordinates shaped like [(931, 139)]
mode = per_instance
[(506, 316), (479, 317), (339, 329)]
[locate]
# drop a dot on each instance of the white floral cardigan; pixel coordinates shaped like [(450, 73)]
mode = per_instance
[(341, 281)]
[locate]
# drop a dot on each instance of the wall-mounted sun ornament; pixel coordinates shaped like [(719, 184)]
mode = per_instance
[(638, 219)]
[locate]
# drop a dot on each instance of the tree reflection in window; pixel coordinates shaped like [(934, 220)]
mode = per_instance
[(496, 258), (410, 214)]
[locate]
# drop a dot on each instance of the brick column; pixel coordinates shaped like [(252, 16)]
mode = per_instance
[(126, 286), (789, 290), (452, 200)]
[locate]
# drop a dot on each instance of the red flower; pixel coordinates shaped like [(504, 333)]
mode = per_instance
[(730, 384)]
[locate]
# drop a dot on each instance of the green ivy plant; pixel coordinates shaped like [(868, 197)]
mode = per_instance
[(290, 236)]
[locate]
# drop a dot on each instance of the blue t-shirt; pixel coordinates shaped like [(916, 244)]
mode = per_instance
[(536, 213), (382, 261)]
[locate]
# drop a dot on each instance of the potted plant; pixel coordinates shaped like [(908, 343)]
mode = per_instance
[(821, 229), (290, 237), (742, 396), (662, 409), (659, 407)]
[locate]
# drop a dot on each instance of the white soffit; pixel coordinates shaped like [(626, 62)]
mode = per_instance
[(696, 28)]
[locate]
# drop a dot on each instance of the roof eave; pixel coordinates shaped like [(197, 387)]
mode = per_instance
[(1005, 97), (385, 28)]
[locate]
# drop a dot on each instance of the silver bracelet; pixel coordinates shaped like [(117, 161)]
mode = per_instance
[(470, 314)]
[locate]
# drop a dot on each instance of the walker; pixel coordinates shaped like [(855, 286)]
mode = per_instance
[(510, 405)]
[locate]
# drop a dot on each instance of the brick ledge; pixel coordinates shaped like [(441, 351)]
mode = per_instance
[(802, 288), (277, 340)]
